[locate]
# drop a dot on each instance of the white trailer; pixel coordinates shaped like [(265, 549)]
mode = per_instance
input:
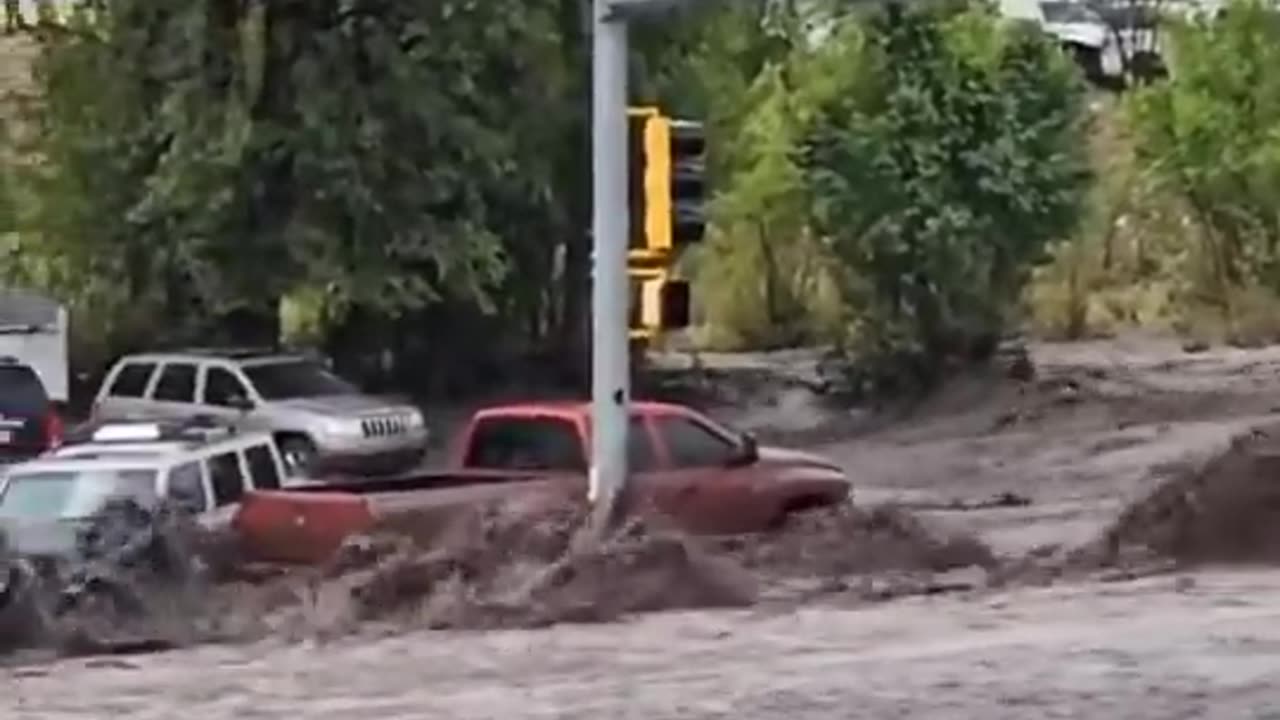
[(33, 330)]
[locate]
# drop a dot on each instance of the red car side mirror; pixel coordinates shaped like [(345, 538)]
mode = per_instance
[(748, 451)]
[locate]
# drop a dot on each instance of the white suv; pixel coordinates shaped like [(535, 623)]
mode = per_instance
[(321, 422), (202, 469)]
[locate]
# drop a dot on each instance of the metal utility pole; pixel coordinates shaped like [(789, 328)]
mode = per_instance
[(610, 287)]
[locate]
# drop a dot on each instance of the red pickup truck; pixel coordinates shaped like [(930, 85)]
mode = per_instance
[(705, 476)]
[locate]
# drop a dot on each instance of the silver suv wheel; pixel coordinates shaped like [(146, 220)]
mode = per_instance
[(298, 452)]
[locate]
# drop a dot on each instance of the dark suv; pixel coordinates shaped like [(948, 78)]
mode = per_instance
[(29, 421)]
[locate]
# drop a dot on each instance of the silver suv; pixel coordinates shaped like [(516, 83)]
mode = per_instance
[(322, 423)]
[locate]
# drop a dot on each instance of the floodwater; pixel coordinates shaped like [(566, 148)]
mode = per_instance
[(1154, 648), (1101, 428)]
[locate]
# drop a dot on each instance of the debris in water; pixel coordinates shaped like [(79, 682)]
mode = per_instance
[(848, 540), (1223, 510), (530, 562)]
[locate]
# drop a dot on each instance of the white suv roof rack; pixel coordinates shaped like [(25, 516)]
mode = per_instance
[(135, 431)]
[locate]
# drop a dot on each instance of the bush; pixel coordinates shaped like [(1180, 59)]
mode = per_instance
[(938, 179), (1210, 136)]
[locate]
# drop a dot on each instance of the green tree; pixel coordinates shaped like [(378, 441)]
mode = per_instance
[(389, 161), (939, 181), (727, 64), (766, 279), (1210, 134), (1127, 265)]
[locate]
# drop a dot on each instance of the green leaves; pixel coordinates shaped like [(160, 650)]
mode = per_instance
[(219, 155), (1211, 134), (941, 181), (426, 161)]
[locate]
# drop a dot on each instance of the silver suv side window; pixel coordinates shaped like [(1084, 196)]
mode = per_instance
[(177, 383), (222, 388), (226, 477), (131, 381), (186, 488), (262, 467)]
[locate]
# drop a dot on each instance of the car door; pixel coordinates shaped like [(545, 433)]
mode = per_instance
[(265, 472), (174, 394), (645, 464), (124, 392), (671, 486), (226, 473), (223, 394), (706, 489), (187, 487)]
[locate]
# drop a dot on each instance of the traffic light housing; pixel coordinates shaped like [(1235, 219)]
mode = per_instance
[(666, 183), (675, 303), (638, 196), (666, 198), (658, 302), (687, 181)]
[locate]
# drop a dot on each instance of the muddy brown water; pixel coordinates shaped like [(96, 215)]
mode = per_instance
[(355, 637), (512, 563), (531, 561), (1221, 510)]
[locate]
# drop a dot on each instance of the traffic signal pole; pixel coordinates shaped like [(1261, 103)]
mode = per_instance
[(610, 288)]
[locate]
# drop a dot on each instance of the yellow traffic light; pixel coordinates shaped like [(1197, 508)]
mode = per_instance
[(665, 183), (657, 184), (664, 187), (659, 302)]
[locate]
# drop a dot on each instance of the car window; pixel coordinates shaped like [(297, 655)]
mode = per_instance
[(21, 392), (222, 388), (177, 383), (640, 452), (186, 487), (262, 467), (292, 379), (533, 443), (226, 477), (132, 380), (72, 494), (692, 445)]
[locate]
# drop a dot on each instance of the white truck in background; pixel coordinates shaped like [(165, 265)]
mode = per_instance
[(33, 331)]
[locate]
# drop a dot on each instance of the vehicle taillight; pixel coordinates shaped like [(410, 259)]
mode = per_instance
[(53, 430)]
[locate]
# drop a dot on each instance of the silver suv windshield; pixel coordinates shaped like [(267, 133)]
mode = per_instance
[(72, 494), (296, 379)]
